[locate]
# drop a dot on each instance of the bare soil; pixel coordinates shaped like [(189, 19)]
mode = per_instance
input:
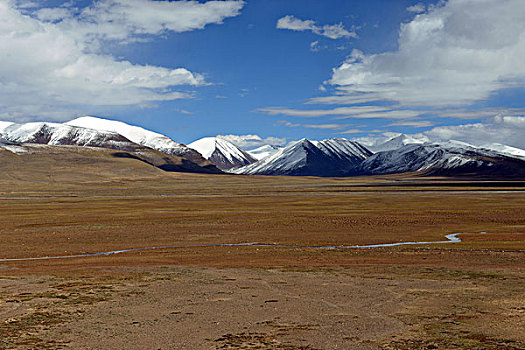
[(466, 295)]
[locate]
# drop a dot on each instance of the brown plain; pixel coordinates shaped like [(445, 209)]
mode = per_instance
[(467, 295)]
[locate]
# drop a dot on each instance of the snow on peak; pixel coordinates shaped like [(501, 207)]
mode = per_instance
[(332, 157), (4, 125), (504, 149), (138, 135), (205, 146), (264, 151), (343, 148), (61, 134), (134, 133), (445, 158), (397, 142), (222, 153)]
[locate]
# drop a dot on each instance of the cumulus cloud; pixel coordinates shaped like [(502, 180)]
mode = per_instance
[(248, 142), (417, 8), (507, 130), (334, 31), (125, 20), (501, 129), (51, 65), (457, 53)]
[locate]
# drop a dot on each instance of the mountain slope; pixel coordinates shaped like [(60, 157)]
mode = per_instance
[(54, 134), (395, 143), (333, 157), (60, 134), (143, 137), (224, 154), (343, 149), (504, 149), (264, 151), (49, 165), (448, 159)]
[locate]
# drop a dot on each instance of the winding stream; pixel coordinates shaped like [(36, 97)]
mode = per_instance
[(451, 238)]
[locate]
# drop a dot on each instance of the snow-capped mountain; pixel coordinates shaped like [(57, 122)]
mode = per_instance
[(333, 157), (396, 142), (224, 154), (264, 151), (140, 136), (343, 149), (55, 134), (450, 158), (504, 149), (4, 125), (60, 134)]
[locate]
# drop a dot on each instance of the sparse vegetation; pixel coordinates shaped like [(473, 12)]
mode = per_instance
[(457, 296)]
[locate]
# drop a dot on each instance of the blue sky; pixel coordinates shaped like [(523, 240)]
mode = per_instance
[(280, 69), (253, 65)]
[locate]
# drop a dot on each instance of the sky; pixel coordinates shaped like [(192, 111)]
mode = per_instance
[(271, 71)]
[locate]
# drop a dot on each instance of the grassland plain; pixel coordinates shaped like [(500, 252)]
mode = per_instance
[(466, 295)]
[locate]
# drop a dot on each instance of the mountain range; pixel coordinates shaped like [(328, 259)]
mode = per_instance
[(166, 155), (447, 159), (331, 157)]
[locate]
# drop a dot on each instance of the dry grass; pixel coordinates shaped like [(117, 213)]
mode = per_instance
[(455, 296)]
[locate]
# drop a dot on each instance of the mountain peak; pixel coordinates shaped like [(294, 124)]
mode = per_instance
[(333, 157), (141, 136), (264, 151), (448, 159), (397, 142), (224, 154)]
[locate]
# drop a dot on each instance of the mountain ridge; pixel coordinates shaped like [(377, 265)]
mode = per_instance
[(331, 157), (224, 154), (55, 134)]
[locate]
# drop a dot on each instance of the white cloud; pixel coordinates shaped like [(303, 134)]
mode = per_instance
[(288, 124), (502, 129), (253, 141), (455, 54), (507, 130), (376, 139), (387, 114), (414, 123), (125, 20), (334, 31), (325, 126), (26, 4), (355, 112), (342, 99), (352, 131), (49, 65), (314, 126), (322, 112), (314, 46), (417, 8)]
